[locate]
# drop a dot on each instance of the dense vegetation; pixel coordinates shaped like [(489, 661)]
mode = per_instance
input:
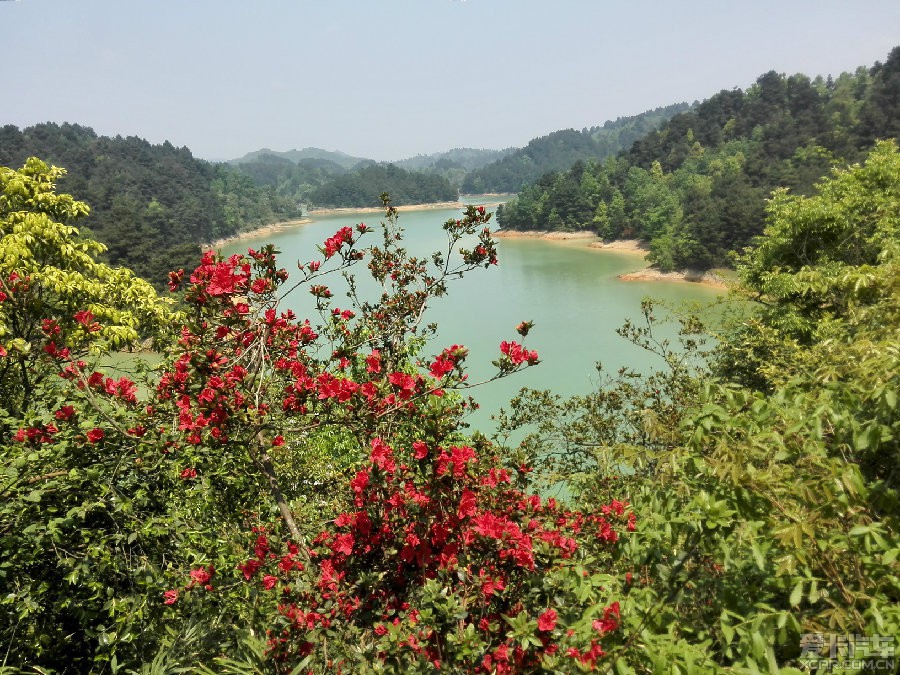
[(455, 164), (695, 188), (288, 179), (467, 159), (152, 205), (364, 187), (297, 174), (559, 150), (293, 495)]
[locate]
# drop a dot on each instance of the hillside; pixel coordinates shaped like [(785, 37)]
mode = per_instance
[(295, 156), (454, 165), (559, 150), (696, 188), (363, 187), (152, 205), (289, 179)]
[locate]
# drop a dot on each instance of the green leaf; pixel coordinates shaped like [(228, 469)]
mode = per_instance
[(796, 594)]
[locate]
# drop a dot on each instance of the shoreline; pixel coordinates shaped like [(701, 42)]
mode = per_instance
[(632, 246), (543, 234), (311, 214), (628, 246), (457, 204), (271, 228), (707, 278)]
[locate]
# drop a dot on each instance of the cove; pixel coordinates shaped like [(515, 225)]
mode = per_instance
[(568, 289)]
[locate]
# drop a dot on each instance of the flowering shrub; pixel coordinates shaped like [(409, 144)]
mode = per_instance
[(437, 555), (127, 508), (441, 562)]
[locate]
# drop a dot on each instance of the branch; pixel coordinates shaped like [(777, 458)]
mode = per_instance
[(264, 462)]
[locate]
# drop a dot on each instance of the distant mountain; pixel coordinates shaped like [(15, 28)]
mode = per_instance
[(340, 158), (288, 178), (453, 164), (468, 159), (561, 149)]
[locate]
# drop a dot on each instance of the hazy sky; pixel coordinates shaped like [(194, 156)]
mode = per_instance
[(388, 79)]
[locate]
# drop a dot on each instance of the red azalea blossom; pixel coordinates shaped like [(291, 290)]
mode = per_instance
[(170, 597), (249, 568), (84, 317), (547, 620), (373, 362), (95, 434), (64, 413), (201, 576), (420, 450)]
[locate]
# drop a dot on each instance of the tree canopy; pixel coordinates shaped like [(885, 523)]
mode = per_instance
[(151, 205), (695, 188)]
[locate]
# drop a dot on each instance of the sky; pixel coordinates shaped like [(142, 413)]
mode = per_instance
[(389, 79)]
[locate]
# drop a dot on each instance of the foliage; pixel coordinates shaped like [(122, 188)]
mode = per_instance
[(126, 518), (364, 186), (561, 149), (55, 298), (151, 205), (78, 528), (778, 476)]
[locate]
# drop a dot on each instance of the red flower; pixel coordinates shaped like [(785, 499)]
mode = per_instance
[(610, 620), (249, 568), (466, 504), (170, 597), (189, 474), (373, 362), (64, 413), (343, 543), (269, 582), (200, 576), (95, 435), (420, 450), (441, 367), (84, 318), (547, 620)]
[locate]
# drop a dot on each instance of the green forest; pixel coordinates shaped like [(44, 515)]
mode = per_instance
[(364, 187), (695, 189), (561, 149), (333, 180), (152, 205)]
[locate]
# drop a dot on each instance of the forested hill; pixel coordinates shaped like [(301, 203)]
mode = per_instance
[(152, 205), (559, 150), (363, 187), (696, 188), (289, 179), (342, 159), (467, 159)]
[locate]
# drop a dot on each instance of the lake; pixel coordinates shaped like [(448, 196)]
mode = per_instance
[(569, 290)]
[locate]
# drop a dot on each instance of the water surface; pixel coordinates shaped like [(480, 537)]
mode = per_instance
[(569, 290)]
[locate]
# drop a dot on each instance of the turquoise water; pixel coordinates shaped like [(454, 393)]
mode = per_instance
[(569, 290)]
